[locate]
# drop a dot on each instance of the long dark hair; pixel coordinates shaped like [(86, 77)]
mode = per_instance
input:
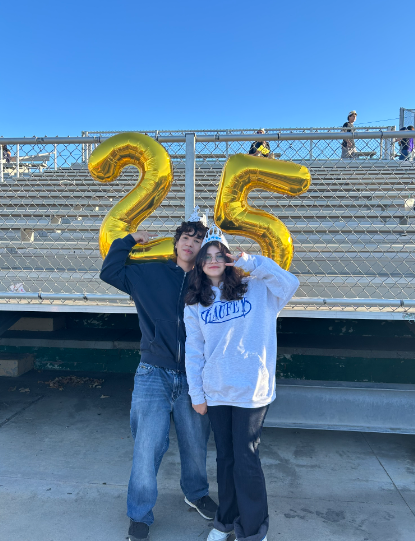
[(200, 286)]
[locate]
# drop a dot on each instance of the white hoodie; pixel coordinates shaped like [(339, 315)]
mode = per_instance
[(231, 346)]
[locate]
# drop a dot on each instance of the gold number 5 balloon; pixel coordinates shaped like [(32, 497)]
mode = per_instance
[(243, 173), (106, 163)]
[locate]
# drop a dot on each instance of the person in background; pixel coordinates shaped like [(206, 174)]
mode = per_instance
[(231, 352), (6, 154), (348, 146), (261, 148), (407, 145)]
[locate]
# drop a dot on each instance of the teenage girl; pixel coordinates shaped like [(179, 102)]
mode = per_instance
[(231, 351)]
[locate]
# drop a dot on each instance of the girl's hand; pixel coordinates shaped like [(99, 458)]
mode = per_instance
[(234, 258), (200, 408)]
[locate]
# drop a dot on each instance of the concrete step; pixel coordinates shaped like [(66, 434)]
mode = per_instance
[(13, 365)]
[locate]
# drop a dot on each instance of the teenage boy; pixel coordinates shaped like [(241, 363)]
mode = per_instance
[(160, 383)]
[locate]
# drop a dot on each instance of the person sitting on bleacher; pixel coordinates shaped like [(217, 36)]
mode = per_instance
[(261, 148), (6, 154), (407, 145), (348, 146)]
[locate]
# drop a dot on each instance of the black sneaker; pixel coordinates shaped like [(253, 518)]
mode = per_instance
[(138, 531), (205, 507)]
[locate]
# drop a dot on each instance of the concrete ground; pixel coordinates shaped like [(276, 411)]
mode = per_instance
[(65, 458)]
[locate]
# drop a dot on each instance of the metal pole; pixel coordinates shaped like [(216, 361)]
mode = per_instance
[(83, 149), (393, 128), (190, 174), (17, 160), (281, 136), (388, 147), (311, 150), (1, 164), (55, 160), (87, 149)]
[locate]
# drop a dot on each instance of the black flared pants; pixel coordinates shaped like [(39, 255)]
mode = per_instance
[(242, 493)]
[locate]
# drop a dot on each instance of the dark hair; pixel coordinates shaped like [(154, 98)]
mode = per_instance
[(200, 286), (410, 128), (189, 228)]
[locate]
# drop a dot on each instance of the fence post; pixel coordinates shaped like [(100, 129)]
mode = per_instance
[(17, 161), (388, 146), (190, 170), (86, 149), (311, 150), (83, 148), (393, 128), (55, 158), (1, 164)]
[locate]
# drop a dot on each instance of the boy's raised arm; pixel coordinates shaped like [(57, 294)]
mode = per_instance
[(114, 270)]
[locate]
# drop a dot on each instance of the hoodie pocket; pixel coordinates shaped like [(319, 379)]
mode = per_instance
[(238, 379), (164, 343)]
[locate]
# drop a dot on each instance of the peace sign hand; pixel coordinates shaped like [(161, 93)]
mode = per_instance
[(234, 258)]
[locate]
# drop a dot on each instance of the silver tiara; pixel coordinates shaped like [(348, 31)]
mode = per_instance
[(194, 217), (215, 234)]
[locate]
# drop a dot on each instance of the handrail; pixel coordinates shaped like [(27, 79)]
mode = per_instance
[(295, 301), (309, 136), (232, 130)]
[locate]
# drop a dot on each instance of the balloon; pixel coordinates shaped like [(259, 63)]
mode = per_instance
[(242, 174), (106, 163)]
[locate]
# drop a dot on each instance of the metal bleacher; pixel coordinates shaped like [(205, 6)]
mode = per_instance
[(353, 230)]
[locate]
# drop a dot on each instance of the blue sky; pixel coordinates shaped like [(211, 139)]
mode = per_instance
[(100, 65)]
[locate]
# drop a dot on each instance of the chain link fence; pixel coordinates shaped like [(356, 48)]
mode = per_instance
[(406, 117), (353, 230)]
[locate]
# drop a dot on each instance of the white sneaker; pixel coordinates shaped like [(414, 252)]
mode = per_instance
[(216, 535)]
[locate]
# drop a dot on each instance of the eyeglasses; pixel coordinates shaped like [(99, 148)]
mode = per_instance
[(219, 258)]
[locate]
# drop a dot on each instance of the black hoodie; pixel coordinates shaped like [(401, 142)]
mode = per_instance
[(158, 290)]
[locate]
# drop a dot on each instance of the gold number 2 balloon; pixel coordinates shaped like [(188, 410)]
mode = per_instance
[(243, 173), (106, 163)]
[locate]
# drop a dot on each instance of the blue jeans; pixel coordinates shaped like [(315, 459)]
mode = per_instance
[(158, 394)]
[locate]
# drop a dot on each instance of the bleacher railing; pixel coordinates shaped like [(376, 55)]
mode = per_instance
[(353, 230)]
